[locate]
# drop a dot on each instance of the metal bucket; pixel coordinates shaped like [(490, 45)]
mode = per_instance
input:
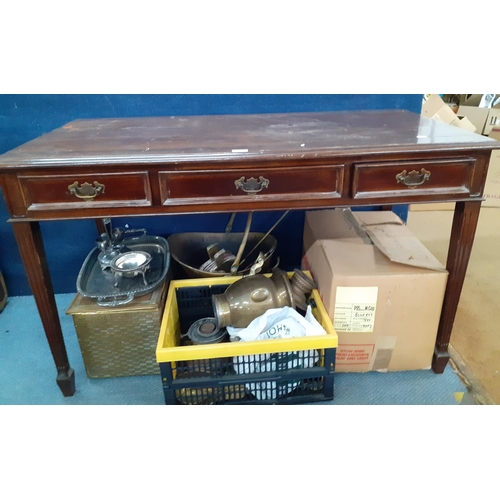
[(190, 250)]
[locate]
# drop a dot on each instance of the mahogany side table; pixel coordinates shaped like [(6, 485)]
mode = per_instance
[(100, 168)]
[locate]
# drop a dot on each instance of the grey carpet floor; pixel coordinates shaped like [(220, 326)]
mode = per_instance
[(27, 372)]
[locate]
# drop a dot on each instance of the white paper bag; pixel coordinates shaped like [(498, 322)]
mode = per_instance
[(274, 324)]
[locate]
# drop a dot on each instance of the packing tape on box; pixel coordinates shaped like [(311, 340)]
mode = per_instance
[(384, 347)]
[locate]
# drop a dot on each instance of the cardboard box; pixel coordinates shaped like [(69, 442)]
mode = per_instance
[(381, 287), (466, 124), (482, 117), (475, 115), (495, 134), (432, 207), (492, 187), (434, 107), (492, 121)]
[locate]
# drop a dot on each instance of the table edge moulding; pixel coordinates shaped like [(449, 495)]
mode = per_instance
[(100, 168)]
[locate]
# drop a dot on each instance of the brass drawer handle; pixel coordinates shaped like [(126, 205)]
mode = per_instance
[(86, 191), (252, 185), (414, 178)]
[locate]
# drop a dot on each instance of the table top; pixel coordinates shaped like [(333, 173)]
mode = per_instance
[(276, 136)]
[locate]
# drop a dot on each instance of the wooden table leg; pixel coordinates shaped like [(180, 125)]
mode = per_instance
[(462, 238), (31, 249)]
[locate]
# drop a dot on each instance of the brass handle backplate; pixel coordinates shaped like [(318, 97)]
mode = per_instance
[(86, 191), (414, 178), (252, 185)]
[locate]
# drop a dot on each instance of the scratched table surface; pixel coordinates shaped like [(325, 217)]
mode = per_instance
[(236, 137)]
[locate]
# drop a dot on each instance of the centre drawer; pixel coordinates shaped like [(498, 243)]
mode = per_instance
[(413, 178), (250, 184)]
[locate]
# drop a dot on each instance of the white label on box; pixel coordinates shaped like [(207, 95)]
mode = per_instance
[(355, 308)]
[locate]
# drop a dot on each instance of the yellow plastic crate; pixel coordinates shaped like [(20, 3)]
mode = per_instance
[(196, 374)]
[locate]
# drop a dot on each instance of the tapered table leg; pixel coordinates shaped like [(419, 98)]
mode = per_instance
[(30, 243), (462, 238)]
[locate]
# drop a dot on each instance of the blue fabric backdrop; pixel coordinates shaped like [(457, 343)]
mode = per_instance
[(25, 117)]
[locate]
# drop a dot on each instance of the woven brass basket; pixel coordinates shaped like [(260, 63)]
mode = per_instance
[(119, 341)]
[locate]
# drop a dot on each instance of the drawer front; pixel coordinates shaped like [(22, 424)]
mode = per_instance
[(51, 192), (413, 178), (250, 185)]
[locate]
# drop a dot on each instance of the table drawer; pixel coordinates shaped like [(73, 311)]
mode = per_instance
[(60, 192), (413, 178), (250, 184)]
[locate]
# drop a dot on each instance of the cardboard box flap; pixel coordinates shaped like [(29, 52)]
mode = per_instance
[(353, 225), (400, 245), (466, 124), (355, 230), (477, 116), (389, 234)]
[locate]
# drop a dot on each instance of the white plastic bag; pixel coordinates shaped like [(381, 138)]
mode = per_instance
[(279, 323), (274, 324)]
